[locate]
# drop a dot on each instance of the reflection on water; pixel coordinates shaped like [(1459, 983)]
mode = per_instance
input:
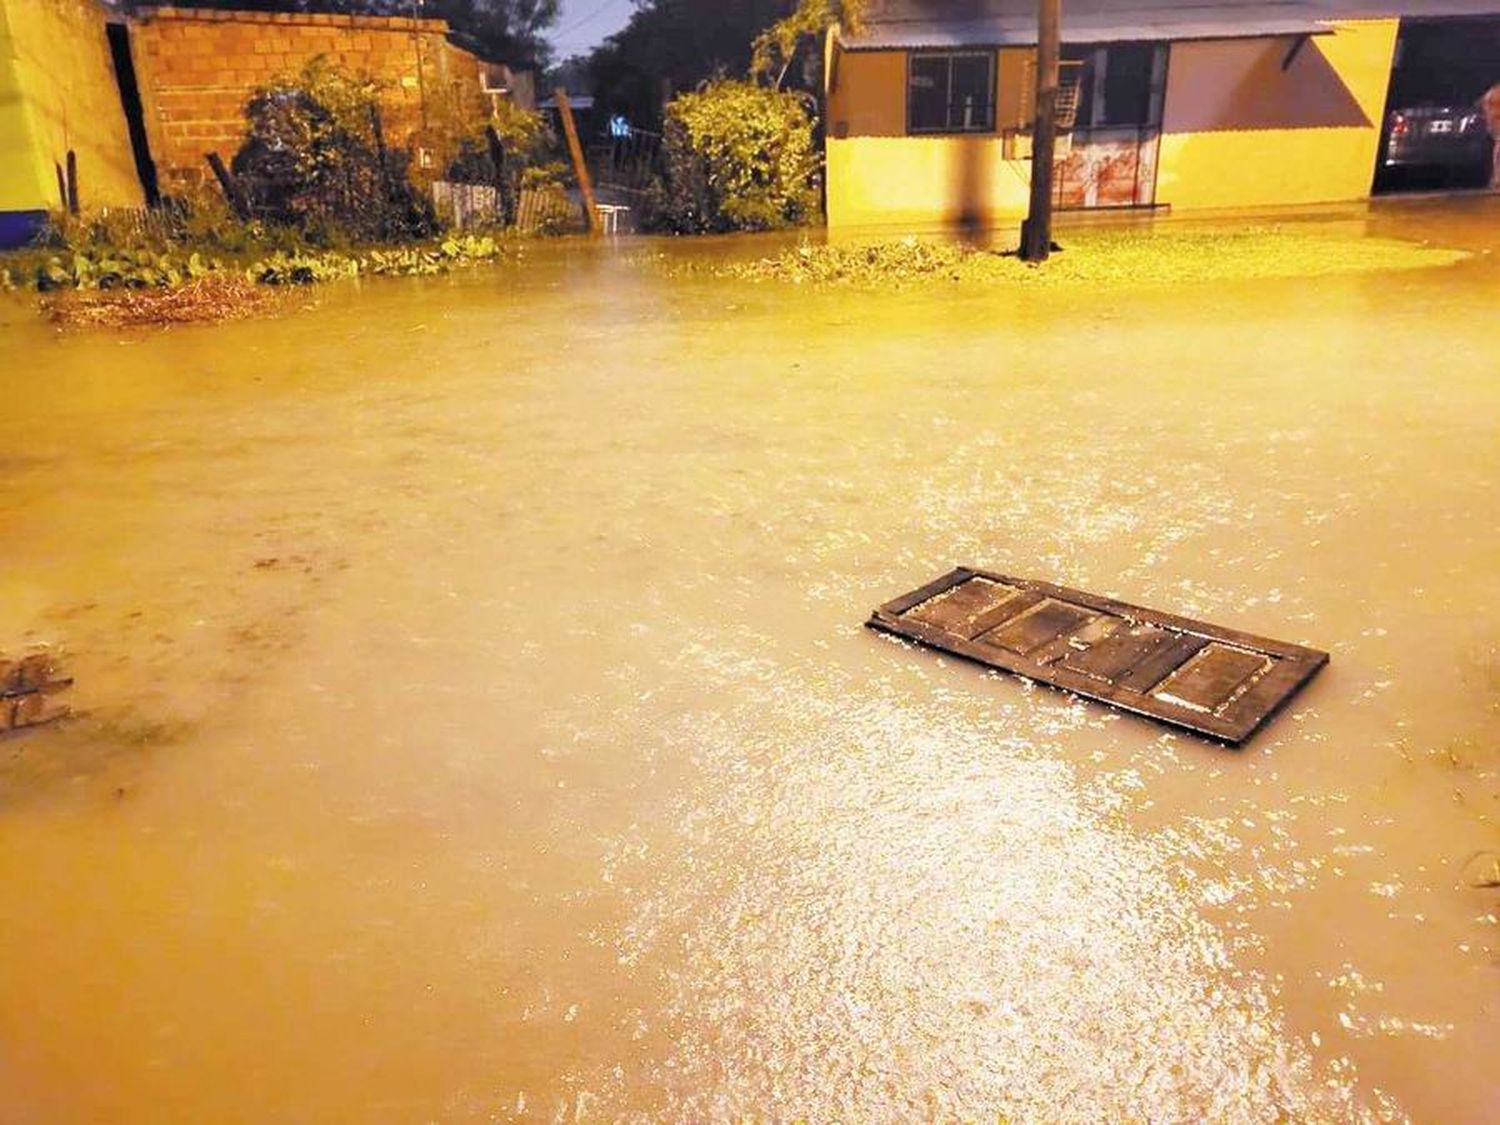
[(480, 726)]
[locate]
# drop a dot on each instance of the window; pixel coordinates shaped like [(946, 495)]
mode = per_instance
[(951, 93), (1119, 85)]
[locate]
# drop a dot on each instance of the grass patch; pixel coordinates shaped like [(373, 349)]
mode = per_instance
[(1119, 259)]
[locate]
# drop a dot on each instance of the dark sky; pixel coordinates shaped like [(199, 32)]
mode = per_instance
[(585, 22)]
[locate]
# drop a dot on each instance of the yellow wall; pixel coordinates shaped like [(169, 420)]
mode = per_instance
[(58, 92), (878, 175), (1238, 131)]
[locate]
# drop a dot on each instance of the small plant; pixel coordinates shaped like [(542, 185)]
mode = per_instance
[(302, 268), (121, 269)]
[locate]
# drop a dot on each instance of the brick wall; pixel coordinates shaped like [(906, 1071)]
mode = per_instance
[(198, 67)]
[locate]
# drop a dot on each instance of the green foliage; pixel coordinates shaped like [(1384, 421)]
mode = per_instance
[(302, 268), (774, 48), (315, 158), (92, 266), (512, 30), (312, 267), (737, 157), (680, 42), (121, 269), (525, 137), (416, 261), (1115, 260)]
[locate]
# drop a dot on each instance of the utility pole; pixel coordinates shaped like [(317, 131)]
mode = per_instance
[(580, 166), (1036, 232)]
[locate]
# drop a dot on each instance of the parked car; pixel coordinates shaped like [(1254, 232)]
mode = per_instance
[(1450, 140)]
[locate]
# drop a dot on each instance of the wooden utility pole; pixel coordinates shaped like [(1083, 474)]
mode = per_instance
[(585, 184), (1036, 232)]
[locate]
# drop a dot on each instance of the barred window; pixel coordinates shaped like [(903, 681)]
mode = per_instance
[(951, 93)]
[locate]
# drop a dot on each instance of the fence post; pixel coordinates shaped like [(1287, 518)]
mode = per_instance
[(503, 191), (230, 185), (72, 182)]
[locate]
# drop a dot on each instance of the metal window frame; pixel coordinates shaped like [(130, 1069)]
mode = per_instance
[(990, 55)]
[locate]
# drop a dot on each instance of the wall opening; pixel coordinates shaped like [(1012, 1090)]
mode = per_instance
[(1435, 135), (135, 114)]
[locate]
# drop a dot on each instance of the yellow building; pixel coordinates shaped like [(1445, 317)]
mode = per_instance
[(1167, 104), (58, 95)]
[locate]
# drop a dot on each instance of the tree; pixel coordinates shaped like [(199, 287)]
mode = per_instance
[(511, 31), (775, 48), (674, 45)]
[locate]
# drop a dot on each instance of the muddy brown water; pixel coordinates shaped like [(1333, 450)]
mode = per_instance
[(478, 723)]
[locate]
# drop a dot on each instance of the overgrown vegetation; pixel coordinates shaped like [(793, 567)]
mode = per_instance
[(315, 157), (776, 48), (737, 156), (318, 195), (1116, 258), (94, 281)]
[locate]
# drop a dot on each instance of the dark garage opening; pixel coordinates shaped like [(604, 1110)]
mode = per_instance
[(135, 118), (1435, 136)]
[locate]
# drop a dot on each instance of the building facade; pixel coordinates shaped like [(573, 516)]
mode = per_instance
[(1167, 104)]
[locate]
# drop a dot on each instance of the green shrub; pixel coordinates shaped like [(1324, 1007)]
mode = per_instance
[(737, 157), (315, 158)]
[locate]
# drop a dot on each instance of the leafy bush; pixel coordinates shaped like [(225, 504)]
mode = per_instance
[(737, 157), (525, 137), (526, 143), (316, 158)]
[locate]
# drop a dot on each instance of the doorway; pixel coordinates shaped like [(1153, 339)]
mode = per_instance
[(135, 114), (1435, 135), (1116, 134)]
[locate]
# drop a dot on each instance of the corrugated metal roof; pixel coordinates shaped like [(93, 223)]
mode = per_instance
[(914, 24)]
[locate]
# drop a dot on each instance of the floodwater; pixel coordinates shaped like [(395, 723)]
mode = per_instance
[(478, 723)]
